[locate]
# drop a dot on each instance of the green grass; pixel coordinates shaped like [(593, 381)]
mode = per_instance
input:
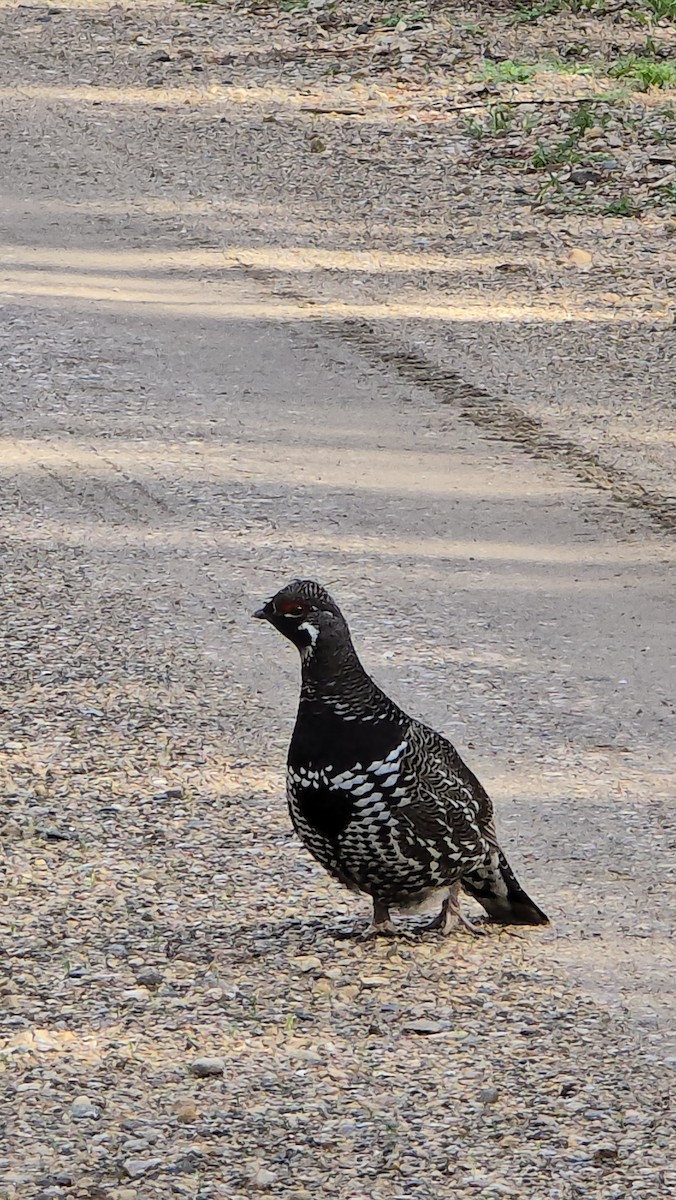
[(411, 18), (624, 206), (566, 66), (586, 116), (658, 10), (599, 7), (532, 12), (667, 193), (665, 134), (506, 72), (556, 154), (498, 119), (644, 73), (662, 9)]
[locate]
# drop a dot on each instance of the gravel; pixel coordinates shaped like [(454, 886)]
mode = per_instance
[(180, 1013)]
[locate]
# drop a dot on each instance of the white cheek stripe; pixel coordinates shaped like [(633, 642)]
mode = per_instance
[(311, 630)]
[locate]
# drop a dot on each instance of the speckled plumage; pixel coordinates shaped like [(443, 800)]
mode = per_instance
[(383, 802)]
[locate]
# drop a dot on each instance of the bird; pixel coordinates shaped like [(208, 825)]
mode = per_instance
[(383, 802)]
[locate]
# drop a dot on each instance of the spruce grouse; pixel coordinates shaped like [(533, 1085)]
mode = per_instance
[(384, 803)]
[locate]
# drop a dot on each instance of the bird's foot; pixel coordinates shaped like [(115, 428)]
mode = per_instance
[(381, 924), (381, 929), (451, 918)]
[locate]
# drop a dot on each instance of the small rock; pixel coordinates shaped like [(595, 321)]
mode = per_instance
[(604, 1151), (134, 1168), (160, 56), (489, 1095), (84, 1109), (317, 145), (186, 1112), (137, 995), (307, 963), (149, 976), (584, 175), (425, 1027), (204, 1067), (580, 258), (263, 1178)]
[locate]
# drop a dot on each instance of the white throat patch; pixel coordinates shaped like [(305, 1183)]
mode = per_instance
[(313, 634)]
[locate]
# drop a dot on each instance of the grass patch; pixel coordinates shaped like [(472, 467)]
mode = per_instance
[(658, 10), (586, 116), (662, 9), (564, 66), (418, 17), (556, 154), (644, 73), (499, 119), (666, 133), (624, 206), (506, 72), (533, 12)]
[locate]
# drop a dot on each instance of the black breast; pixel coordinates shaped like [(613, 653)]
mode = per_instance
[(325, 809)]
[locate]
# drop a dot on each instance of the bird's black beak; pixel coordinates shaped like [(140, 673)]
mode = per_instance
[(264, 613)]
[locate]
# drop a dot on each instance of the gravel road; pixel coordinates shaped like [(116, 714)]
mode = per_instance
[(181, 433)]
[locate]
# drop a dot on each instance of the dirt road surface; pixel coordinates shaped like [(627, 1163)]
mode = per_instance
[(184, 429)]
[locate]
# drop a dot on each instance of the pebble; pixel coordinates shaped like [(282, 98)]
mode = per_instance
[(204, 1067), (583, 175), (307, 963), (137, 995), (263, 1178), (426, 1027), (149, 976), (83, 1109), (134, 1168), (186, 1112)]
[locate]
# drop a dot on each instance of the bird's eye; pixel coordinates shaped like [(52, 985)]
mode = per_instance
[(291, 608)]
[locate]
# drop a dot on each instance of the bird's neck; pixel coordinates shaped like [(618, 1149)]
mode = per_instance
[(333, 679)]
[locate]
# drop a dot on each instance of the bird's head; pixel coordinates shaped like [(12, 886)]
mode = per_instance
[(305, 613)]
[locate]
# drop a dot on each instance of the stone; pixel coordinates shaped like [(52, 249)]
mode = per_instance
[(584, 175), (134, 1168), (149, 976), (307, 962), (203, 1068), (426, 1027), (84, 1109), (263, 1178), (186, 1112), (580, 258)]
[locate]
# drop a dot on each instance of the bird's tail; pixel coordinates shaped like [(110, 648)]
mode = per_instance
[(497, 889)]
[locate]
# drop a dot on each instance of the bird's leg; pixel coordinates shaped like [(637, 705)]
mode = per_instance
[(451, 917), (381, 925)]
